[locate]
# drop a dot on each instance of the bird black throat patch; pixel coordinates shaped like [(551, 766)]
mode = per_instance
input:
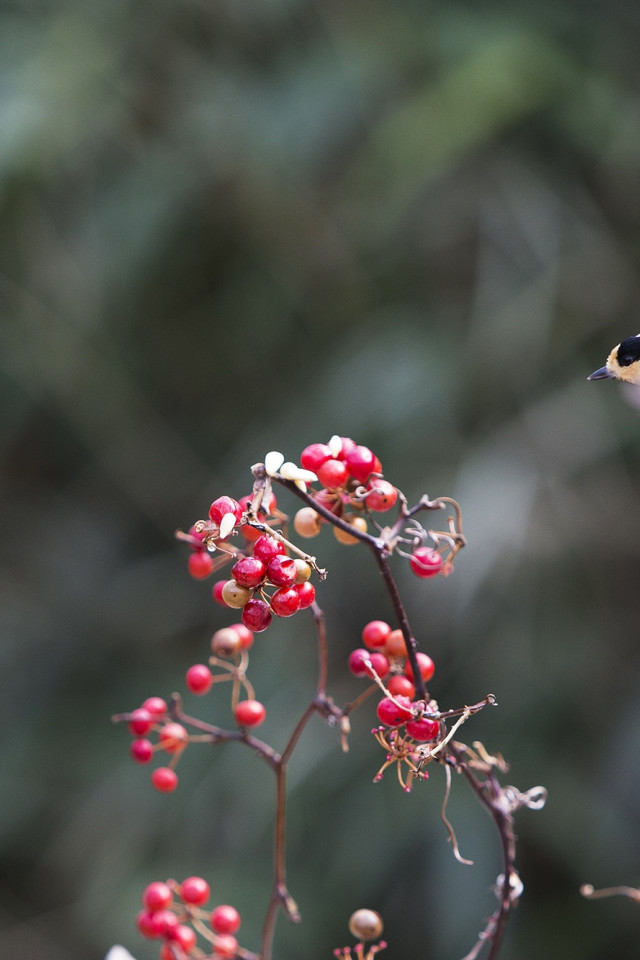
[(628, 351)]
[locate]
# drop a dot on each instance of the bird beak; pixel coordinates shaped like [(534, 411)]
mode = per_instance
[(601, 374)]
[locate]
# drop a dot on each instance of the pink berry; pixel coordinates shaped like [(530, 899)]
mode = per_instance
[(141, 750), (195, 890), (164, 779), (157, 896), (226, 947), (332, 473), (225, 919), (199, 679), (375, 633), (216, 592), (425, 562), (282, 571), (346, 445), (379, 663), (147, 924), (249, 571), (357, 662), (307, 593), (361, 463), (393, 715), (383, 495), (266, 548), (184, 936), (426, 667), (156, 706), (314, 456), (200, 564), (285, 601), (256, 615), (140, 721), (249, 713), (423, 729), (222, 506)]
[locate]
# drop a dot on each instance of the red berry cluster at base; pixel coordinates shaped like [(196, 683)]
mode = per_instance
[(175, 913)]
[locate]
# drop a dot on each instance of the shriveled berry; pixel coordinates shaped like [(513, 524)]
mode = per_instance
[(375, 633), (249, 713), (199, 679), (423, 729), (393, 714), (225, 919), (256, 615), (195, 890), (425, 562), (307, 523), (226, 642), (285, 602), (266, 548), (235, 595), (200, 564), (281, 571), (314, 456), (382, 496), (307, 593), (365, 924), (164, 779), (426, 667), (173, 737), (141, 750), (157, 896), (249, 571)]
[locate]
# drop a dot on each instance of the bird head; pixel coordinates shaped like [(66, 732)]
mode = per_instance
[(623, 363)]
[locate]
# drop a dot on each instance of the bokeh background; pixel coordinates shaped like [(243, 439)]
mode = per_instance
[(240, 225)]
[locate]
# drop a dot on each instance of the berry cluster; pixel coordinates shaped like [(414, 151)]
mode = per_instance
[(384, 658), (175, 913)]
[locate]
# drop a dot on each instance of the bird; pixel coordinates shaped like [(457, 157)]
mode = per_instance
[(623, 363)]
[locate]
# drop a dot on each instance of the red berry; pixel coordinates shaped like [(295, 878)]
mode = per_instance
[(383, 495), (147, 924), (379, 663), (426, 667), (184, 936), (393, 715), (249, 571), (200, 564), (401, 686), (157, 896), (346, 444), (285, 601), (375, 633), (423, 729), (357, 662), (425, 562), (314, 456), (361, 463), (256, 615), (224, 505), (164, 779), (199, 679), (266, 548), (282, 571), (173, 737), (140, 721), (156, 706), (166, 922), (307, 593), (330, 501), (249, 713), (225, 919), (226, 947), (195, 890), (332, 473), (216, 592), (141, 750)]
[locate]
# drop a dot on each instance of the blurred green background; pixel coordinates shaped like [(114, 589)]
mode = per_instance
[(236, 226)]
